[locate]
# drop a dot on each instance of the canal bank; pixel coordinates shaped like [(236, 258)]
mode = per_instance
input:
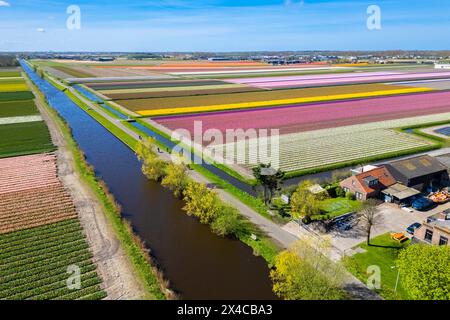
[(198, 264)]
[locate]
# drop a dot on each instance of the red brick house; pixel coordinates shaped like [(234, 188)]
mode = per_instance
[(368, 184), (436, 230)]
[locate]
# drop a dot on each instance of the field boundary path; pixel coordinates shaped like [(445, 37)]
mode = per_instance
[(113, 265), (282, 237)]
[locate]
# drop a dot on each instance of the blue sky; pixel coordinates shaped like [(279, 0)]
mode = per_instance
[(223, 25)]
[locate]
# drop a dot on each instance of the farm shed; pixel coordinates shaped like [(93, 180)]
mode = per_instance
[(421, 173), (398, 193)]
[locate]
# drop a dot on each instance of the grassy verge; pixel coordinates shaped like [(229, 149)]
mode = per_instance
[(263, 247), (382, 253), (139, 258)]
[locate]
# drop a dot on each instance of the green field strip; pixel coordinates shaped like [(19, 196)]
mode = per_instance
[(46, 254), (42, 250), (46, 229), (53, 267), (42, 281), (24, 138), (33, 263), (15, 96), (18, 108), (9, 74), (52, 290), (95, 288), (14, 246), (87, 282), (78, 254), (12, 80), (33, 247)]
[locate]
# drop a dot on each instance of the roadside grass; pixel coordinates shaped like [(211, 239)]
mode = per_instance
[(150, 278), (339, 206), (383, 252), (24, 138)]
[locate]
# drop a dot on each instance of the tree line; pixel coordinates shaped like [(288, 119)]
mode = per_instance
[(8, 61)]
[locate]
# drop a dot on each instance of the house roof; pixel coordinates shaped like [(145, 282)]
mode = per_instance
[(381, 174), (416, 167)]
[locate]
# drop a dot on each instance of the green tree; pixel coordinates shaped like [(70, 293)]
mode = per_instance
[(175, 178), (303, 203), (229, 221), (152, 166), (305, 273), (425, 272), (201, 202), (270, 179)]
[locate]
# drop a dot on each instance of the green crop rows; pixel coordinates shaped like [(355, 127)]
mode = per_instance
[(17, 108), (34, 264), (13, 96), (24, 138)]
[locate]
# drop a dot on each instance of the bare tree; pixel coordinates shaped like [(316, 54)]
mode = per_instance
[(369, 216)]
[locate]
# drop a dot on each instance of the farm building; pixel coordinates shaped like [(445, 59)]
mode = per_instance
[(368, 184), (420, 173), (435, 231), (445, 160), (399, 193)]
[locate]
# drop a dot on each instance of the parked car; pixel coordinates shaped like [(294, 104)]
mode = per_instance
[(422, 204), (412, 228)]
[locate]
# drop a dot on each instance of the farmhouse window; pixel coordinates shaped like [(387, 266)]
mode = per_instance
[(428, 235), (443, 241)]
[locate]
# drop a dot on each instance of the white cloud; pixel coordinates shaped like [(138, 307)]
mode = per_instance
[(40, 30), (4, 4)]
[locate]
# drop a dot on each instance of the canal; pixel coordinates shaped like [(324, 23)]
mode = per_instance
[(198, 264)]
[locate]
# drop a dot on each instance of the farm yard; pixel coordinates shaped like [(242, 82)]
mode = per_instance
[(39, 223)]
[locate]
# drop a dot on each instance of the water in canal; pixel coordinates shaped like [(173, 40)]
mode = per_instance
[(199, 264)]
